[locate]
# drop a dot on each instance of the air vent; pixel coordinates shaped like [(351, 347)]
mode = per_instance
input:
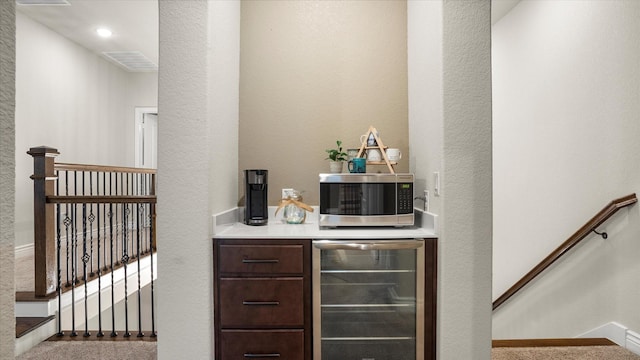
[(133, 61), (42, 2)]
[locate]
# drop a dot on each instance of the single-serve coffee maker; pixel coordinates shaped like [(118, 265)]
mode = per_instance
[(255, 197)]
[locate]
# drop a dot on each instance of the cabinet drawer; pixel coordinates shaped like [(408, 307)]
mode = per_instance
[(275, 344), (260, 259), (263, 302)]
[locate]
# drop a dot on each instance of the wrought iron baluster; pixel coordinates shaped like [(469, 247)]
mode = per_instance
[(74, 249), (67, 223), (138, 239), (92, 217), (134, 191), (118, 225), (125, 262), (104, 211), (75, 230), (153, 317), (58, 264), (145, 178), (85, 259), (113, 302), (130, 235), (100, 216)]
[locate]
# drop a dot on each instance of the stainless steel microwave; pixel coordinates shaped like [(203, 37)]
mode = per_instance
[(366, 200)]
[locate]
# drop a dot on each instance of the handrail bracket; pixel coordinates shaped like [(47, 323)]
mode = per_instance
[(603, 234)]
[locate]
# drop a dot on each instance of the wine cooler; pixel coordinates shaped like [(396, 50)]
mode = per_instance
[(368, 299)]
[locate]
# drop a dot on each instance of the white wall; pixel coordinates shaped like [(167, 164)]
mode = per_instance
[(7, 175), (566, 86), (71, 99), (450, 127), (425, 95), (313, 72), (224, 84), (193, 181)]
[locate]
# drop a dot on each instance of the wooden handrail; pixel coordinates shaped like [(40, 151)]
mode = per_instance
[(573, 240), (102, 199), (102, 168)]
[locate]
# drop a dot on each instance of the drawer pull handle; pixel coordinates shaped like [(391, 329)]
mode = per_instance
[(272, 355), (260, 261), (261, 303)]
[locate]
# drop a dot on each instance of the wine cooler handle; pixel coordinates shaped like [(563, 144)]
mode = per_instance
[(375, 245)]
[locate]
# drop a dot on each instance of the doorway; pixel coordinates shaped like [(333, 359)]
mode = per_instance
[(146, 137)]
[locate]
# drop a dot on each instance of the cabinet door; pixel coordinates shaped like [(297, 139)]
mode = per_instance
[(261, 259), (262, 344), (261, 302)]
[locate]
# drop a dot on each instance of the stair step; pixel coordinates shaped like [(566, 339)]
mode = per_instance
[(107, 336), (25, 325), (30, 296)]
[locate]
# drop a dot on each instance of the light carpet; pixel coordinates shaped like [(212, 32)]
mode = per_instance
[(121, 350), (564, 353), (147, 350)]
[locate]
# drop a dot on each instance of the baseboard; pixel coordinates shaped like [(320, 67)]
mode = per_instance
[(23, 251), (633, 342), (617, 333), (563, 342)]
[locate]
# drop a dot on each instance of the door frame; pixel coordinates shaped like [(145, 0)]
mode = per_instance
[(139, 115)]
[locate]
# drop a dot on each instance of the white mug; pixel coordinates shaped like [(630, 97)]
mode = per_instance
[(394, 154), (374, 155)]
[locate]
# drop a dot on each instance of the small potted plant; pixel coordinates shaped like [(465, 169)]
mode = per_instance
[(336, 158)]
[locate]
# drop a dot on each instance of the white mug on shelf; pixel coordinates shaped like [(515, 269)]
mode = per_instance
[(394, 154), (374, 155)]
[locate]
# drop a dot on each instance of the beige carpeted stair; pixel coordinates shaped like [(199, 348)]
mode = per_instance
[(565, 349)]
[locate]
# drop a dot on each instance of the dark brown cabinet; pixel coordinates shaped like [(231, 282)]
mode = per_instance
[(263, 299), (262, 295)]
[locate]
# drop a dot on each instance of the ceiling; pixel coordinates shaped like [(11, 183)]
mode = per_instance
[(134, 23)]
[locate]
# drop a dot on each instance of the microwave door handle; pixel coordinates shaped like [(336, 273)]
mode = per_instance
[(390, 245)]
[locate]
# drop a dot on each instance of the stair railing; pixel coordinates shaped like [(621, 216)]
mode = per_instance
[(90, 221), (591, 226)]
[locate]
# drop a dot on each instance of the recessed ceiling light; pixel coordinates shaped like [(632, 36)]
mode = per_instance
[(104, 32)]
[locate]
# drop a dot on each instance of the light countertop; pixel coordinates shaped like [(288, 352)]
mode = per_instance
[(229, 225)]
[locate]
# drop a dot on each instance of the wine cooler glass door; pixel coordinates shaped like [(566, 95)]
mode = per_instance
[(368, 298)]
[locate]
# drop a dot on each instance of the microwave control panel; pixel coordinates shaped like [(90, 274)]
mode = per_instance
[(405, 198)]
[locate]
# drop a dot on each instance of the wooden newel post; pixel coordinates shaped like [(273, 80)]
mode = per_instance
[(44, 219)]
